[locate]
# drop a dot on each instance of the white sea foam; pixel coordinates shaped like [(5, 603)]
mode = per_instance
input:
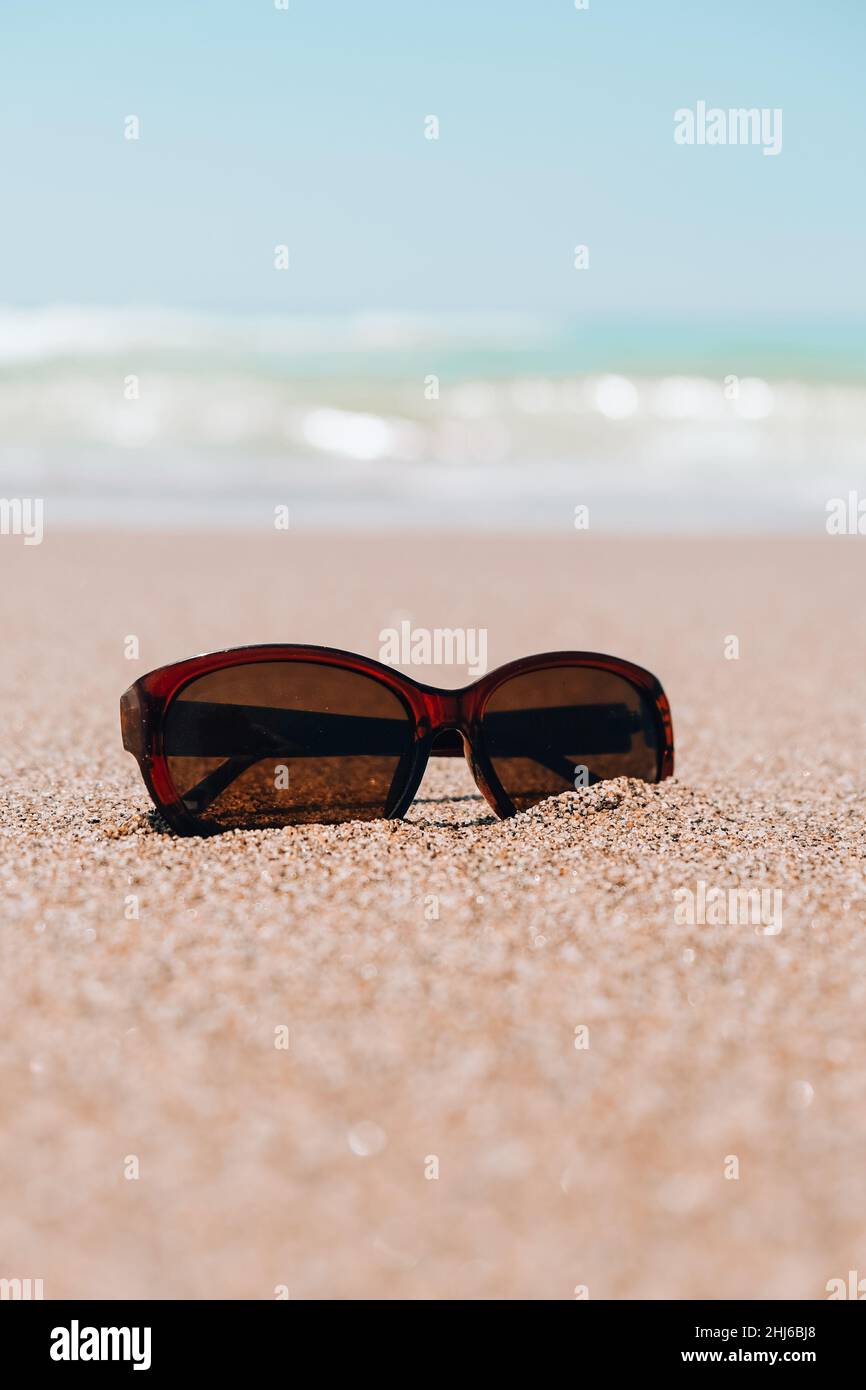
[(388, 419)]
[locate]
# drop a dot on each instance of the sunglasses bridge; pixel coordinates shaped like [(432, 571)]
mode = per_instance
[(448, 721)]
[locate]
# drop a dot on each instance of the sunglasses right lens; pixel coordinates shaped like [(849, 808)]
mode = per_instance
[(286, 742), (565, 727)]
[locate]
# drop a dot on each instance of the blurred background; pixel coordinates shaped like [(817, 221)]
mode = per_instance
[(413, 265)]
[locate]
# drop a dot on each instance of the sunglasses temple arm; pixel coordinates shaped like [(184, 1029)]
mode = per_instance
[(205, 792)]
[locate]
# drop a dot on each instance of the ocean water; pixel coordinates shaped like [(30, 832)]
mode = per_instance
[(142, 417)]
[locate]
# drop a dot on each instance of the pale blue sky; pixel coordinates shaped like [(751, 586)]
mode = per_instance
[(260, 126)]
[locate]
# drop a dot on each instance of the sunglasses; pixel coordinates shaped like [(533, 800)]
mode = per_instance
[(270, 736)]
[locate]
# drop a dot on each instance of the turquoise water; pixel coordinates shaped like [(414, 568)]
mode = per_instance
[(398, 346)]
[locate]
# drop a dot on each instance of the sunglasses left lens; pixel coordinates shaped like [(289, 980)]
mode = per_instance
[(281, 743)]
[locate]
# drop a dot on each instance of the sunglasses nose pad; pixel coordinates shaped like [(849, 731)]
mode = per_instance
[(478, 776), (451, 743)]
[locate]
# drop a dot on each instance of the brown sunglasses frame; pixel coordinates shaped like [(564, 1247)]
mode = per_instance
[(447, 722)]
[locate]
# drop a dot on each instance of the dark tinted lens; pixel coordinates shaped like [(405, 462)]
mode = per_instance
[(276, 743), (568, 726)]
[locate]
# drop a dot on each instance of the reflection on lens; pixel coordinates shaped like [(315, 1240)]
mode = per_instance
[(564, 727), (281, 743)]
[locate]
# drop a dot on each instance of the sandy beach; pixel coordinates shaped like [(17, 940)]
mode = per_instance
[(582, 1067)]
